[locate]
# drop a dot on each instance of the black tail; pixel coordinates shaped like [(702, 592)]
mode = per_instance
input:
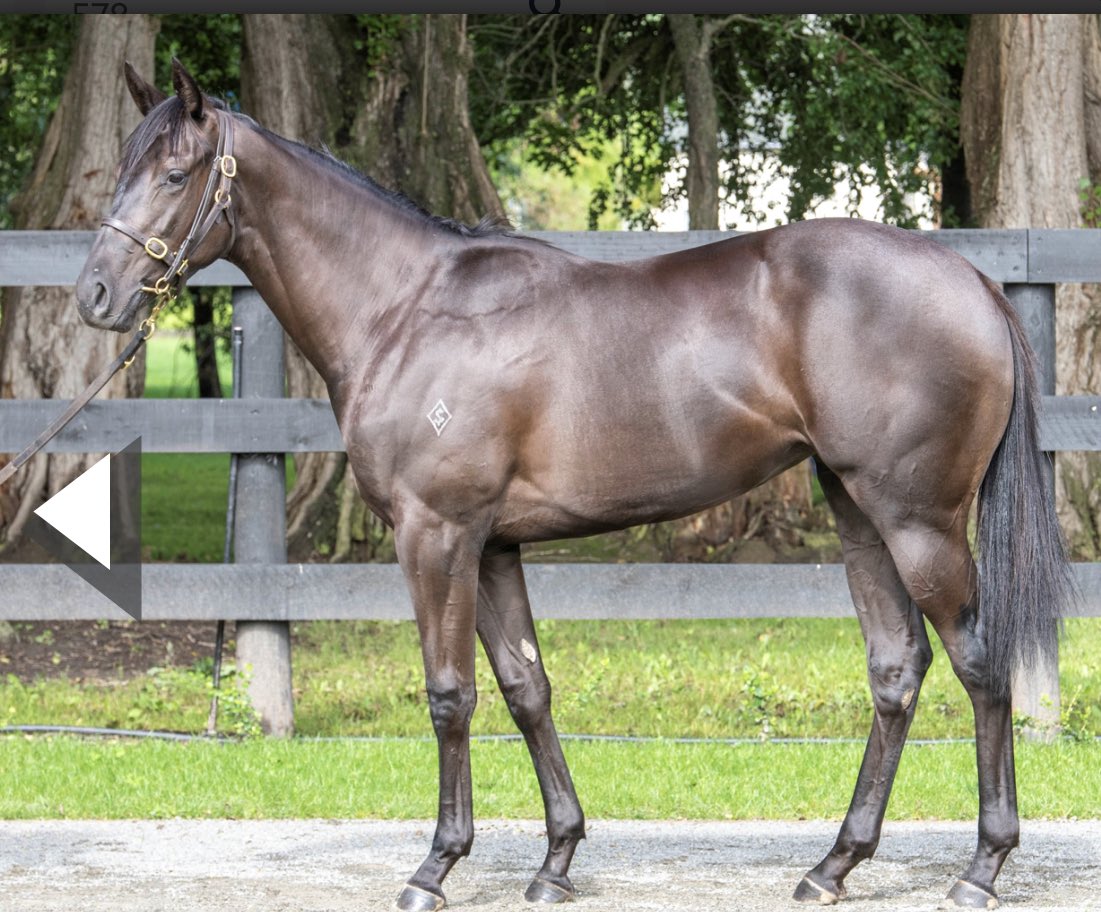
[(1025, 579)]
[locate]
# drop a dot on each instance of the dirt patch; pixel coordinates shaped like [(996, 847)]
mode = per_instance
[(98, 651)]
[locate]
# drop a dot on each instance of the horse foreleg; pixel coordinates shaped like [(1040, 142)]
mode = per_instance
[(440, 563), (898, 657), (508, 634)]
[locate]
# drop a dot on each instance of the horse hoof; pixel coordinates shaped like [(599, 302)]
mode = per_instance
[(810, 892), (968, 896), (545, 891), (417, 899)]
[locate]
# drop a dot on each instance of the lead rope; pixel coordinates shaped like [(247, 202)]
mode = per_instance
[(124, 359)]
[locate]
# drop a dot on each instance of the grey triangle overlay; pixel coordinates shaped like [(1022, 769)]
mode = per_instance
[(122, 583)]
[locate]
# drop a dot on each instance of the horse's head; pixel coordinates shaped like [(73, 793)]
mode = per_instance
[(170, 214)]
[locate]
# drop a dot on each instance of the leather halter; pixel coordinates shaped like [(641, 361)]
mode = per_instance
[(222, 171)]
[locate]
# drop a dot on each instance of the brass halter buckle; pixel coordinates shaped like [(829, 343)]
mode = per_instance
[(156, 248)]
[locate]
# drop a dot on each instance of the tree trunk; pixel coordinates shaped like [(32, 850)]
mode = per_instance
[(692, 38), (405, 122), (45, 350), (415, 126), (205, 340), (1031, 128)]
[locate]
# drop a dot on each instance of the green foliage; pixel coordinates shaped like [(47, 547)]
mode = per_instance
[(219, 331), (1089, 202), (868, 101), (375, 36), (551, 200), (236, 715), (35, 52), (762, 679), (1079, 715), (209, 46), (34, 55), (163, 699), (570, 85), (754, 679)]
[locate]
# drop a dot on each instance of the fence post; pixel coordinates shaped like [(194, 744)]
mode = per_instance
[(1037, 696), (259, 527)]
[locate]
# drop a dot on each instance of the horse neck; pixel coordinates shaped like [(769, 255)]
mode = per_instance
[(327, 254)]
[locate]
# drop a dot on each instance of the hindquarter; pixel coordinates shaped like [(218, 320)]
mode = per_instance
[(908, 377)]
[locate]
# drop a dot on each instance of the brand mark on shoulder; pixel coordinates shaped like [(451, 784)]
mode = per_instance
[(438, 417)]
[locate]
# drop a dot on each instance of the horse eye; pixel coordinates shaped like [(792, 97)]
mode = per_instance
[(176, 177)]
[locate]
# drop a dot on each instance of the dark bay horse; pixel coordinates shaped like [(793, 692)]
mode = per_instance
[(493, 390)]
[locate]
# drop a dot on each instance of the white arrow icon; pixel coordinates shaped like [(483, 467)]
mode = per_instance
[(81, 511)]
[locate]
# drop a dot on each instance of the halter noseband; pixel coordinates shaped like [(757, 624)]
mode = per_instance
[(222, 170)]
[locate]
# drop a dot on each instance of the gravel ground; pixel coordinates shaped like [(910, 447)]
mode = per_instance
[(333, 866)]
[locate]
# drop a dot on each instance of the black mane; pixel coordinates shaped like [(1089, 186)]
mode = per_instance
[(168, 119), (487, 226)]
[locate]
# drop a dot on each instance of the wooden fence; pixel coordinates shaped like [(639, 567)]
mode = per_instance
[(262, 592)]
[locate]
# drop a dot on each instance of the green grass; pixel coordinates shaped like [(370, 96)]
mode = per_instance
[(706, 679), (170, 367), (63, 777)]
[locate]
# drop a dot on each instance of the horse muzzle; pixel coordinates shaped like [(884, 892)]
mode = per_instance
[(98, 304)]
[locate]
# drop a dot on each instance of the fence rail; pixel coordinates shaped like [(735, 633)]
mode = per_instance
[(1015, 255), (346, 592), (264, 588)]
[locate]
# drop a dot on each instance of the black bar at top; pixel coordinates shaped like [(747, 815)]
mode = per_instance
[(549, 6)]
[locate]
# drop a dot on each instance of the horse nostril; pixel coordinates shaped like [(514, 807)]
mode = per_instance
[(101, 301)]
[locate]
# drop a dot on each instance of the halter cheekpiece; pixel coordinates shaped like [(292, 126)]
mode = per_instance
[(216, 196)]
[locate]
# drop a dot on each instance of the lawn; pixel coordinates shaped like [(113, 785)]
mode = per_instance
[(59, 777), (756, 679)]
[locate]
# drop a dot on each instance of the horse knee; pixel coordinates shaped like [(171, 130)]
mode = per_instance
[(528, 700), (451, 706)]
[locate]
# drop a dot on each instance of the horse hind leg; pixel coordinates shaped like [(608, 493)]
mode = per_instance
[(898, 654), (508, 634), (940, 574)]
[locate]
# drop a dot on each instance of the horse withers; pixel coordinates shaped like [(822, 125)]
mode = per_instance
[(493, 390)]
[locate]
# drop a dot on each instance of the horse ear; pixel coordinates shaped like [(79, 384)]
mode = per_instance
[(145, 95), (187, 89)]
